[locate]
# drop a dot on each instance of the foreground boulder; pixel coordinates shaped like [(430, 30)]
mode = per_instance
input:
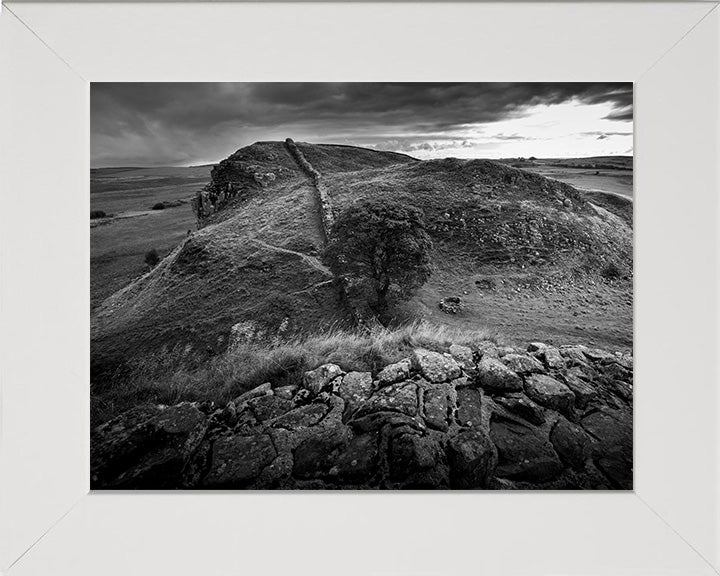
[(512, 420)]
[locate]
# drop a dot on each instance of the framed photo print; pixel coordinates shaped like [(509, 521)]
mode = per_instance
[(440, 279)]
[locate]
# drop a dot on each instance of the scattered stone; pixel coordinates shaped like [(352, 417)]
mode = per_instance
[(262, 390), (316, 456), (377, 420), (286, 392), (523, 453), (418, 462), (436, 406), (269, 407), (584, 393), (450, 304), (552, 358), (536, 346), (355, 389), (434, 366), (238, 460), (523, 363), (394, 373), (316, 380), (487, 349), (463, 356), (549, 392), (399, 397), (494, 375), (472, 458), (302, 417), (469, 412), (359, 461), (524, 408)]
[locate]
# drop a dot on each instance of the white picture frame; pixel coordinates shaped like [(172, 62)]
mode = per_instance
[(51, 524)]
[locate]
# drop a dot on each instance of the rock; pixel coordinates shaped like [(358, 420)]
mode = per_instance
[(316, 380), (615, 371), (584, 393), (488, 349), (238, 460), (450, 304), (522, 363), (549, 392), (552, 358), (394, 373), (524, 453), (262, 390), (574, 355), (316, 456), (493, 375), (434, 366), (269, 407), (571, 443), (621, 389), (536, 346), (147, 446), (355, 389), (612, 451), (436, 406), (302, 417), (472, 458), (463, 356), (359, 461), (377, 420), (595, 354), (286, 392), (417, 462), (399, 397), (469, 412), (524, 408)]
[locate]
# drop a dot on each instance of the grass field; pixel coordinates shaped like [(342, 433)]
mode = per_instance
[(118, 244)]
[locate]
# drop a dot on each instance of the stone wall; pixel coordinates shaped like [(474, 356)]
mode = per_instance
[(326, 208), (483, 418)]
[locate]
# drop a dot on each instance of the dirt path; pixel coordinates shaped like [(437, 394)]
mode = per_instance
[(310, 260)]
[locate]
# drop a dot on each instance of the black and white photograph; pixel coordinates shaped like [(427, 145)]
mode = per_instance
[(361, 286)]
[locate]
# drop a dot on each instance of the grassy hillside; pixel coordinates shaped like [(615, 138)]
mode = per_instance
[(527, 255)]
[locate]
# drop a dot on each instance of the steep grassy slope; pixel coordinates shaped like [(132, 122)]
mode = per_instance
[(525, 253)]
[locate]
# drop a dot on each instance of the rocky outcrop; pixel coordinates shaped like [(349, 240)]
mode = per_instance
[(481, 418)]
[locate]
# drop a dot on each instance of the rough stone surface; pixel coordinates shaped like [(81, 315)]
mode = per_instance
[(522, 363), (549, 392), (317, 380), (238, 460), (523, 407), (434, 366), (463, 355), (472, 457), (493, 375), (552, 357), (524, 453), (438, 422), (394, 373), (355, 389)]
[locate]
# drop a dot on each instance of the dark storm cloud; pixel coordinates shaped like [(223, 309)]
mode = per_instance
[(167, 123)]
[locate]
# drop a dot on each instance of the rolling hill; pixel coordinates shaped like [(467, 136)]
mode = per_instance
[(532, 256)]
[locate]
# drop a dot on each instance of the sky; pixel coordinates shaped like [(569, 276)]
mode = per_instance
[(185, 124)]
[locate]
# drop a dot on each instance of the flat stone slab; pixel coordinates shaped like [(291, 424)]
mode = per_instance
[(435, 367), (524, 453), (496, 376)]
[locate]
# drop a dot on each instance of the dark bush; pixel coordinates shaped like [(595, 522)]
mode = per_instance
[(159, 206), (152, 258), (94, 214)]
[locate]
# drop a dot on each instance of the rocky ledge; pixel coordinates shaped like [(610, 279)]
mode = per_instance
[(484, 418)]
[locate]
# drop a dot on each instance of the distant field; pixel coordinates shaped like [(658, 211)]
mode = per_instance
[(606, 174), (118, 244)]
